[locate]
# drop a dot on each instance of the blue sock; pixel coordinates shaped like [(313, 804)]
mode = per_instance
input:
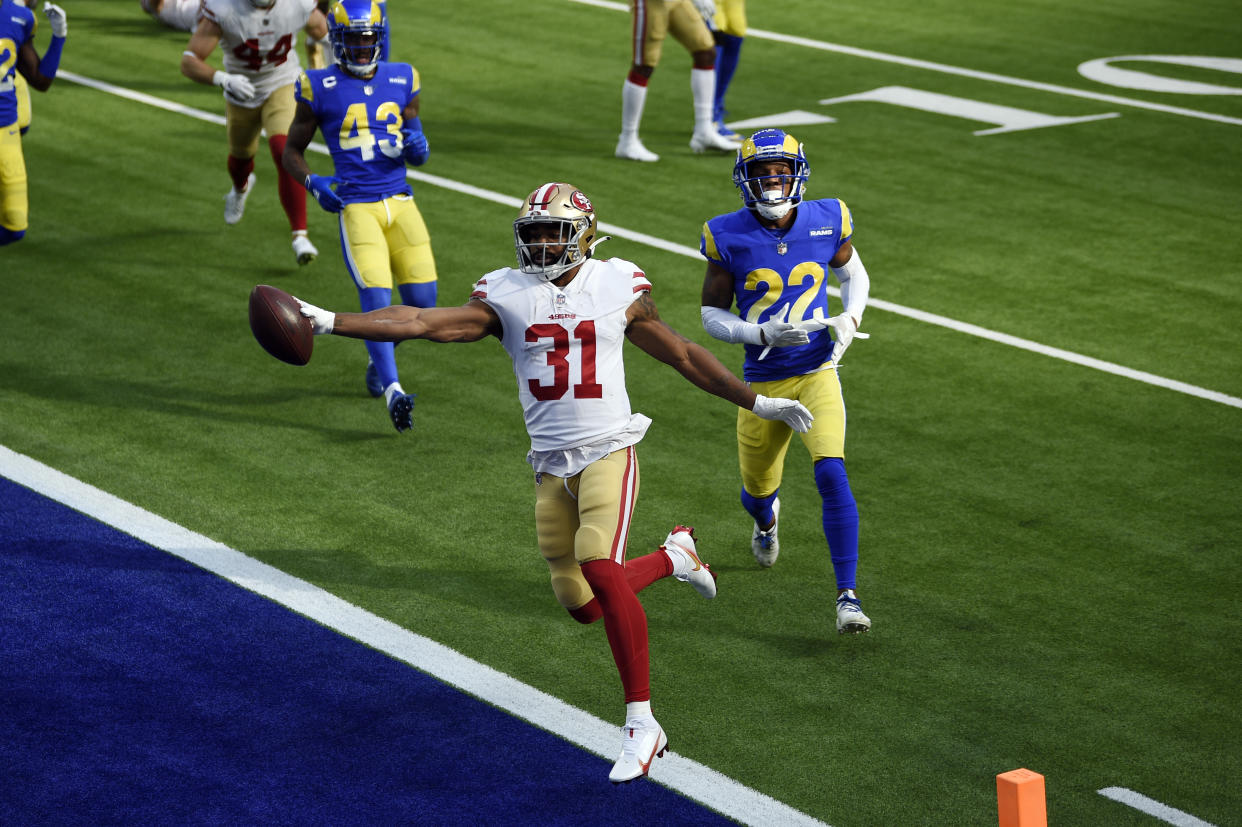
[(760, 508), (727, 54), (373, 298), (8, 236), (419, 295), (840, 519)]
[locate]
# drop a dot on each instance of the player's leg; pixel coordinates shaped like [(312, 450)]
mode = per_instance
[(650, 25), (687, 25), (365, 251), (242, 127), (556, 524), (278, 112), (412, 263), (14, 195), (730, 32), (761, 447), (821, 394), (25, 112)]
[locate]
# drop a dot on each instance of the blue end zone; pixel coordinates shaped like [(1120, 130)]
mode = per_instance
[(137, 688)]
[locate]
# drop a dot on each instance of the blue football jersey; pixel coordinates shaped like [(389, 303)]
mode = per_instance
[(17, 26), (781, 273), (361, 124)]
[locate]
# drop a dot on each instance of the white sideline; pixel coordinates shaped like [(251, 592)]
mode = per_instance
[(692, 252), (1167, 814), (687, 777)]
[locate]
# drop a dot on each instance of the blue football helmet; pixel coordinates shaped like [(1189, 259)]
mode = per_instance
[(356, 29), (771, 145)]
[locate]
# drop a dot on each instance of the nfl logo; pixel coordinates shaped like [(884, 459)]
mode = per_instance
[(781, 248)]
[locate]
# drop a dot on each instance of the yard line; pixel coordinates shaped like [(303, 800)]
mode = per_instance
[(947, 69), (692, 252), (1164, 812), (677, 772)]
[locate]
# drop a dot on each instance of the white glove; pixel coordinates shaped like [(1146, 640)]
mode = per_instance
[(843, 331), (237, 87), (790, 411), (322, 321), (777, 333), (56, 18), (706, 8)]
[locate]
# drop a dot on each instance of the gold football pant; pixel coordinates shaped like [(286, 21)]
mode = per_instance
[(14, 204), (762, 443), (386, 241), (583, 518)]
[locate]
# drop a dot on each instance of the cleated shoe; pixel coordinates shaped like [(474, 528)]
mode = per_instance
[(850, 617), (687, 567), (304, 250), (712, 139), (375, 385), (632, 149), (235, 202), (641, 742), (763, 544), (401, 409)]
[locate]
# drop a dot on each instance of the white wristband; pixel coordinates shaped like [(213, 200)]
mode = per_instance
[(218, 78), (723, 325)]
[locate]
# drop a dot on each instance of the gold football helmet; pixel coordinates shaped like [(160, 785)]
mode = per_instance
[(565, 209)]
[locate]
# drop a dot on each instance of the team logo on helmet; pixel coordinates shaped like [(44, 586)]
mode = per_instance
[(579, 200)]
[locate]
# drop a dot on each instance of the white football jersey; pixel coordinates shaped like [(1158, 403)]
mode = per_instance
[(566, 346), (260, 43), (180, 14)]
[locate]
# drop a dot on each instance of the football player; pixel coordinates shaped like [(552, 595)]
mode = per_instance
[(653, 21), (260, 65), (562, 315), (181, 15), (367, 111), (769, 257), (18, 57)]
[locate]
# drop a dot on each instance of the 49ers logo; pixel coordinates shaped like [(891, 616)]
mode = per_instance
[(581, 202)]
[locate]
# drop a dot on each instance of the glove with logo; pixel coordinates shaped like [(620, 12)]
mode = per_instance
[(320, 186)]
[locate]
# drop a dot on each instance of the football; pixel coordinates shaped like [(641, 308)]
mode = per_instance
[(279, 326)]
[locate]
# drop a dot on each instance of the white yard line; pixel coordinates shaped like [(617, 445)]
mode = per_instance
[(944, 68), (1167, 814), (692, 252), (677, 772)]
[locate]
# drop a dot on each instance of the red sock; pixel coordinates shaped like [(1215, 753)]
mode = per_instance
[(239, 171), (625, 623), (292, 193), (640, 573)]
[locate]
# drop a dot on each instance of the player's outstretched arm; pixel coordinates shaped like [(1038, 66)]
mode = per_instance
[(468, 323)]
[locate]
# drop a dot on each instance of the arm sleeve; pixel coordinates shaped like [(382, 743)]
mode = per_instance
[(855, 286), (723, 325)]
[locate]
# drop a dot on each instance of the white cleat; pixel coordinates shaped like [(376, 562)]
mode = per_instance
[(235, 202), (641, 742), (632, 149), (850, 617), (687, 567), (304, 250), (702, 141), (763, 544)]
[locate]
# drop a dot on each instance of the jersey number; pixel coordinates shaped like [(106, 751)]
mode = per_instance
[(773, 287), (248, 50), (356, 130), (558, 360), (8, 59)]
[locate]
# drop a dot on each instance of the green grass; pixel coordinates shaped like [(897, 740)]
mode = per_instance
[(1050, 553)]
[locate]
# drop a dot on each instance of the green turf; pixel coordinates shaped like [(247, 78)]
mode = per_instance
[(1050, 553)]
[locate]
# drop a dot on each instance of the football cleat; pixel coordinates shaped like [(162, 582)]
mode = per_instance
[(632, 149), (679, 545), (702, 141), (401, 409), (304, 250), (235, 202), (641, 742), (763, 544), (850, 617), (687, 567), (375, 385)]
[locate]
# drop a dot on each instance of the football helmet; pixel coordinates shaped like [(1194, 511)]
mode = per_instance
[(356, 31), (771, 145), (569, 211)]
